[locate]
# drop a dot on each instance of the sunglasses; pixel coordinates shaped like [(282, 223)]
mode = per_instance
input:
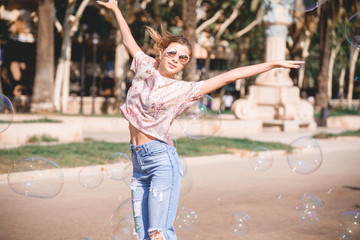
[(172, 52)]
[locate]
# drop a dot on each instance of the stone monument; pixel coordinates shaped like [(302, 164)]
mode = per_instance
[(274, 99)]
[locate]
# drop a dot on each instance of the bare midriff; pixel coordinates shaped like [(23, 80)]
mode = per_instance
[(138, 137)]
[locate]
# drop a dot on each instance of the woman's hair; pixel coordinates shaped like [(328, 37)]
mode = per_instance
[(163, 40)]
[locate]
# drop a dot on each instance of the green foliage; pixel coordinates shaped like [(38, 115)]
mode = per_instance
[(43, 138), (219, 145), (342, 134), (42, 120)]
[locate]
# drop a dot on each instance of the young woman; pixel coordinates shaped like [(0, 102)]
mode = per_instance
[(154, 100)]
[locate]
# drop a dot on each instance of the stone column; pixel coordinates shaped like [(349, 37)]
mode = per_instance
[(277, 19)]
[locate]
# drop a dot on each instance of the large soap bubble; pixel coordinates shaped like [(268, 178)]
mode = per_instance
[(304, 155), (199, 121), (36, 177), (352, 30), (90, 176), (6, 113), (349, 227), (116, 164), (122, 221), (310, 208), (302, 5)]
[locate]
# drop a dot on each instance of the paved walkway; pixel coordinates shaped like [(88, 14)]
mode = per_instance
[(218, 186)]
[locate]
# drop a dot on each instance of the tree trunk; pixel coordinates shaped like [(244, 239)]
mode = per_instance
[(333, 54), (322, 100), (341, 83), (66, 78), (62, 80), (44, 72), (64, 55), (121, 59), (189, 19), (353, 60), (304, 55)]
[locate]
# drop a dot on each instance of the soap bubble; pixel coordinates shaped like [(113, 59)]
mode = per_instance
[(90, 176), (173, 138), (199, 121), (6, 113), (304, 155), (116, 164), (127, 174), (240, 223), (36, 177), (349, 227), (122, 221), (186, 219), (352, 30), (309, 208), (186, 184), (261, 159), (302, 5), (184, 165)]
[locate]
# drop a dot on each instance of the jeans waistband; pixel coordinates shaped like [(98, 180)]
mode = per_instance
[(147, 145)]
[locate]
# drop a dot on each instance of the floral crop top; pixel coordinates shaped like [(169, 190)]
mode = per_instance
[(154, 101)]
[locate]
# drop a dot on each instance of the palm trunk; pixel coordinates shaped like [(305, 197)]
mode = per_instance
[(121, 59), (44, 72), (189, 19), (323, 77)]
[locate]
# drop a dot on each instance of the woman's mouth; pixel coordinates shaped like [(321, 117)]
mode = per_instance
[(172, 66)]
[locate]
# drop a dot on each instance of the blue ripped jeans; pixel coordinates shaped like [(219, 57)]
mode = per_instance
[(155, 189)]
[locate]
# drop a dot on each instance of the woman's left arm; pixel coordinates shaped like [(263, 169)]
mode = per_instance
[(221, 80)]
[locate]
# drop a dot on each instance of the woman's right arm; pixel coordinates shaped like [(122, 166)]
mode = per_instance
[(128, 39)]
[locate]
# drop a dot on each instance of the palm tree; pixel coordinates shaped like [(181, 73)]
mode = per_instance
[(189, 19), (322, 99), (44, 71)]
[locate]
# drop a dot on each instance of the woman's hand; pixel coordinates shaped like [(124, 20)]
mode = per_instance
[(288, 64), (111, 4)]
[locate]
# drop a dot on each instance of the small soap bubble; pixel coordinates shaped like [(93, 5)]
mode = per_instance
[(304, 155), (309, 208), (261, 159), (200, 121), (302, 5), (116, 164), (352, 31), (240, 223), (6, 113), (90, 176), (330, 190), (36, 177), (349, 226), (186, 219)]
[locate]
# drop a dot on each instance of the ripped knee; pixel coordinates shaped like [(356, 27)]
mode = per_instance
[(156, 234)]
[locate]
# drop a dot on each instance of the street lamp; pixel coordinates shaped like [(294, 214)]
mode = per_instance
[(95, 41), (83, 73)]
